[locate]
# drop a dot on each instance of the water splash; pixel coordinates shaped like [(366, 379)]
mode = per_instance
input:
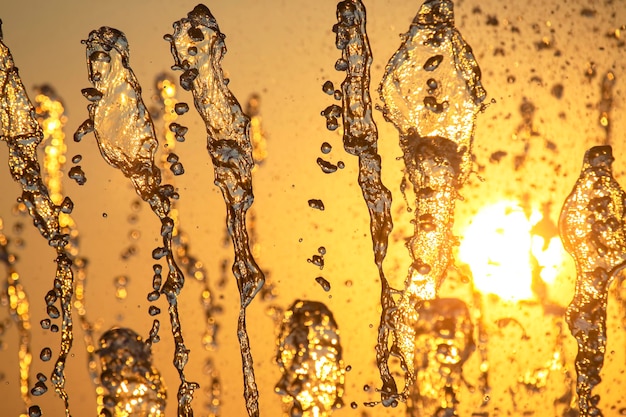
[(197, 46), (23, 134), (132, 386), (592, 230), (127, 141), (431, 92), (444, 343), (19, 309), (310, 360), (360, 137)]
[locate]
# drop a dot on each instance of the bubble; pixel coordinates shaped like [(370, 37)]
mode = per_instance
[(433, 62), (354, 405), (321, 250)]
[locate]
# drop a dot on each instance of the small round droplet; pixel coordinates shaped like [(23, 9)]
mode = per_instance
[(328, 87), (341, 165), (77, 158), (177, 169), (432, 83), (341, 64), (348, 368), (45, 324), (353, 405), (46, 354), (321, 250), (53, 312), (154, 295), (34, 411), (41, 377), (105, 215), (154, 310), (54, 328), (181, 108), (366, 387), (326, 148)]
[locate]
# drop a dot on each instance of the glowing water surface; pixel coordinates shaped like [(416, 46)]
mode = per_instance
[(592, 229), (197, 46), (127, 141)]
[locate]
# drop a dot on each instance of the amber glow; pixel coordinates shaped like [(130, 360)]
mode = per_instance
[(500, 249)]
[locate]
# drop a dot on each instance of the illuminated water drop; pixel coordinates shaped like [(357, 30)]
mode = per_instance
[(326, 148), (46, 354), (34, 411), (310, 360), (40, 388), (181, 108), (596, 201)]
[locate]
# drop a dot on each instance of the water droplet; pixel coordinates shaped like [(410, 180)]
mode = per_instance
[(46, 354), (177, 168), (323, 283), (45, 324), (154, 310), (187, 78), (34, 411), (326, 148), (432, 83), (348, 368), (159, 253), (366, 387), (316, 204), (341, 165), (317, 260), (77, 158), (41, 377), (76, 173), (431, 104), (341, 64), (67, 205), (91, 94), (321, 250), (433, 62), (338, 95), (354, 405), (54, 328), (328, 88), (51, 297), (181, 108), (53, 312), (154, 295), (39, 389), (327, 167)]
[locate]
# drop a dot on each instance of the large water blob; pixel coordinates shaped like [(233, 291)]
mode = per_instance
[(197, 46), (431, 92), (592, 229), (444, 343), (127, 141), (310, 360), (360, 137), (22, 134), (132, 385)]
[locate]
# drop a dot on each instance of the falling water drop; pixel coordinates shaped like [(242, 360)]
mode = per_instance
[(181, 108), (323, 283), (326, 148), (77, 174), (34, 411), (328, 88), (46, 354), (316, 204)]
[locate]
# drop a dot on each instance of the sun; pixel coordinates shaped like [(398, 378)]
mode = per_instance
[(502, 251)]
